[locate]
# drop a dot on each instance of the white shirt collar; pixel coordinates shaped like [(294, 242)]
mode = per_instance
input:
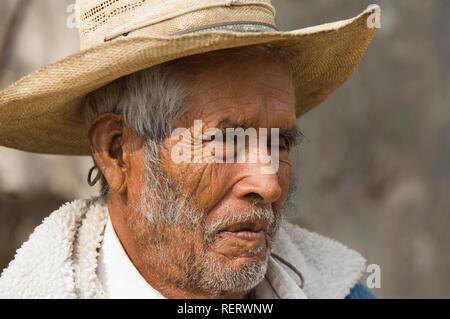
[(119, 277), (121, 280)]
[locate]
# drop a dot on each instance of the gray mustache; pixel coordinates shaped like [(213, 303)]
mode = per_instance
[(257, 214)]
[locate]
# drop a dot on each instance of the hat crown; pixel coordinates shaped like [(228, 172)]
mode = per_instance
[(105, 20)]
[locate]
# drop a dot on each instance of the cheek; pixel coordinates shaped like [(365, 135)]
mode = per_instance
[(136, 176), (204, 183)]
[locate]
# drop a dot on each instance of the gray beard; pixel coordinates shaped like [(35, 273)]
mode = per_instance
[(164, 208)]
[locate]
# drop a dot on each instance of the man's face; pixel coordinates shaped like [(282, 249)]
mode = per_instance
[(209, 226)]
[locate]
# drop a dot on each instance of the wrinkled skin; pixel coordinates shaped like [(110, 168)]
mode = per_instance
[(254, 93)]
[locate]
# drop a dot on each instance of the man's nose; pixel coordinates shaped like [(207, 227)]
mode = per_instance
[(264, 189)]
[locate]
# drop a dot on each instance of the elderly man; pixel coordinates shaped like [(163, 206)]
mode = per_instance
[(202, 227)]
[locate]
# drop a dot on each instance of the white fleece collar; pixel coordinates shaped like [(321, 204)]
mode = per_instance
[(60, 259)]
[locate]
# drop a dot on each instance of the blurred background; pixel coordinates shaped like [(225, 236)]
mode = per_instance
[(373, 171)]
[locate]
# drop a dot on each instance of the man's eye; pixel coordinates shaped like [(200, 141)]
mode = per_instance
[(282, 145)]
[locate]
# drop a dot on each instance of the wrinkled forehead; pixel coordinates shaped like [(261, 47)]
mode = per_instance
[(252, 86)]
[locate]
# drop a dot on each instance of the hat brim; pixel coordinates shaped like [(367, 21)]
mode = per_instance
[(43, 112)]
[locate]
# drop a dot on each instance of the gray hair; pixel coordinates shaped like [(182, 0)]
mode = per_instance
[(148, 101), (151, 100)]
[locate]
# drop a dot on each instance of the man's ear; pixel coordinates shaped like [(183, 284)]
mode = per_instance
[(105, 135)]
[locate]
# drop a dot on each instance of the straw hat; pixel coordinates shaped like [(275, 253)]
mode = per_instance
[(43, 112)]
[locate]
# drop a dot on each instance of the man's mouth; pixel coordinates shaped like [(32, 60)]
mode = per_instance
[(253, 233), (247, 235)]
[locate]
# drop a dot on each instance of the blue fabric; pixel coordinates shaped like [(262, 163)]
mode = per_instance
[(360, 291)]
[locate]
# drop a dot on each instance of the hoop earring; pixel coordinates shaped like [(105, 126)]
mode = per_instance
[(94, 181)]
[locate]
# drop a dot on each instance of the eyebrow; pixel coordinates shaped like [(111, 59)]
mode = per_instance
[(292, 134)]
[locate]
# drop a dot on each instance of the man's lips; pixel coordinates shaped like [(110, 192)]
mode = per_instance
[(246, 235), (252, 232), (255, 227)]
